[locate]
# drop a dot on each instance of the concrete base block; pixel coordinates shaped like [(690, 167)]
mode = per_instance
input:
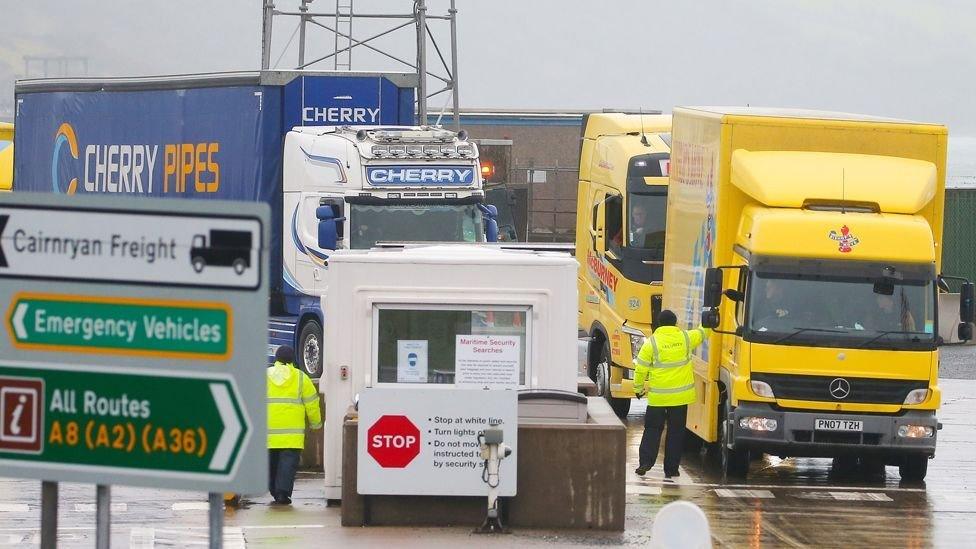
[(571, 475)]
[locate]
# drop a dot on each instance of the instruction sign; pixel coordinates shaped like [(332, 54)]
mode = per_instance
[(487, 361), (132, 326), (424, 441), (412, 361)]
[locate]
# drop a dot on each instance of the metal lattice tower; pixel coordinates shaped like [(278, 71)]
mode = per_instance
[(339, 24)]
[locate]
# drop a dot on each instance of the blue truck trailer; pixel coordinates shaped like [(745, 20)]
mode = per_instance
[(335, 149)]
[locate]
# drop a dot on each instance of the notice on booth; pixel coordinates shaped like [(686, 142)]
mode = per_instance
[(422, 441), (487, 361), (412, 361)]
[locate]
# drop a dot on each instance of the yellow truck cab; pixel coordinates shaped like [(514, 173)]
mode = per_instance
[(620, 221), (811, 242), (6, 156)]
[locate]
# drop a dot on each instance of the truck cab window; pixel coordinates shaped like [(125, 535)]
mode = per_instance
[(614, 221), (646, 222)]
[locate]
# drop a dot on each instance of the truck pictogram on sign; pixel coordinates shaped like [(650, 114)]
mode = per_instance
[(21, 415), (393, 441)]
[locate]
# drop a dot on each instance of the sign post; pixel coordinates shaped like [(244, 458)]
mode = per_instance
[(130, 360)]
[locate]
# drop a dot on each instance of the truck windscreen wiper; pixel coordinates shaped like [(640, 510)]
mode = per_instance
[(886, 332), (801, 330)]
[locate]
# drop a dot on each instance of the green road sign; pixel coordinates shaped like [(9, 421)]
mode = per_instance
[(127, 424), (112, 325)]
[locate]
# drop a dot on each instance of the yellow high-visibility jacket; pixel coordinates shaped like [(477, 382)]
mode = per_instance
[(663, 367), (291, 399)]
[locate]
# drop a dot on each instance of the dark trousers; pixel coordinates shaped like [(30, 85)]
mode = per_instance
[(654, 419), (282, 468)]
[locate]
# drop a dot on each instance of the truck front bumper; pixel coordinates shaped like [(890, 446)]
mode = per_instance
[(795, 434)]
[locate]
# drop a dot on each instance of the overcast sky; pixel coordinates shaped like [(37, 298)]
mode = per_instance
[(899, 58)]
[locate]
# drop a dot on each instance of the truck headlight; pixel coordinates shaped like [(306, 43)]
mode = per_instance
[(761, 388), (758, 423), (636, 342), (915, 431), (917, 396)]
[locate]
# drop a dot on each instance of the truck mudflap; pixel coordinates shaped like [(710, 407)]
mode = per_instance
[(797, 434)]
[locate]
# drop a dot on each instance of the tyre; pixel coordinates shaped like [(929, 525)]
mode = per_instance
[(310, 349), (913, 468), (198, 264), (735, 463), (620, 406), (239, 265)]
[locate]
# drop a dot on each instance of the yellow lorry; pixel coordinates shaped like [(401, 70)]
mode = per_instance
[(6, 156), (620, 221), (811, 242)]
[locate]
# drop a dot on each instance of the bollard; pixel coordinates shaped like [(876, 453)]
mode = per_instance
[(681, 525)]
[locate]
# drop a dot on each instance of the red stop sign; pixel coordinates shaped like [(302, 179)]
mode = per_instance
[(393, 441)]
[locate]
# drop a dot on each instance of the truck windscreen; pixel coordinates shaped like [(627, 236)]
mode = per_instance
[(841, 310), (646, 221), (370, 224)]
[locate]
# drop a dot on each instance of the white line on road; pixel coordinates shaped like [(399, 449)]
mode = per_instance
[(90, 507), (644, 490), (860, 496), (191, 506), (728, 493), (14, 508), (797, 487), (13, 539)]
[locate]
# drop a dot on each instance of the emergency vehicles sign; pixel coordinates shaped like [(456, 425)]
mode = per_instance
[(438, 175), (132, 329), (150, 248), (425, 441)]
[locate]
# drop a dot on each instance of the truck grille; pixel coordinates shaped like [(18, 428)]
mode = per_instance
[(862, 390)]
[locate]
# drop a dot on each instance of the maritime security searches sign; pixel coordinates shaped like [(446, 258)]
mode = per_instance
[(132, 330), (151, 248), (418, 175)]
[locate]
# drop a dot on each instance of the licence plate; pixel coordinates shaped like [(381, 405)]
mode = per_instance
[(838, 425)]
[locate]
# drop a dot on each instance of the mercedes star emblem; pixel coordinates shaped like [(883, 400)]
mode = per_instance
[(840, 388)]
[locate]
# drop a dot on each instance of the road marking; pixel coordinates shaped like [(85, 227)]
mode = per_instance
[(191, 506), (14, 508), (860, 496), (13, 539), (644, 490), (729, 493), (90, 507), (795, 487), (142, 538)]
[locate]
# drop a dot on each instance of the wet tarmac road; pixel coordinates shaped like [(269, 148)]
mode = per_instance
[(784, 503)]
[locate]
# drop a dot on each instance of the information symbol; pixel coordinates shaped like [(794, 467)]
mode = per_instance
[(21, 415)]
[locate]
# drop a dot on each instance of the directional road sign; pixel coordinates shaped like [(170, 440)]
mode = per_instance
[(112, 325), (102, 421), (136, 337), (169, 247)]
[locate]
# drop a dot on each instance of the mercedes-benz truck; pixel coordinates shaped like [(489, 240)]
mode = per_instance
[(812, 243)]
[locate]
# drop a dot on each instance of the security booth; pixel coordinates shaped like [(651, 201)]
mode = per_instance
[(444, 348)]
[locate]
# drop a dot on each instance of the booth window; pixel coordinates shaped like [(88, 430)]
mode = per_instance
[(427, 344)]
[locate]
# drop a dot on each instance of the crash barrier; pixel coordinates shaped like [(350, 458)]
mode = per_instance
[(681, 525), (571, 473)]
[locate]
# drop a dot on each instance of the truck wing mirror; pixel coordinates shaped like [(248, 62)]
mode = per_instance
[(713, 288), (329, 224), (967, 306), (965, 331), (710, 318)]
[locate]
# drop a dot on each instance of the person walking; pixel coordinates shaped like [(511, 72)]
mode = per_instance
[(663, 372), (292, 399)]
